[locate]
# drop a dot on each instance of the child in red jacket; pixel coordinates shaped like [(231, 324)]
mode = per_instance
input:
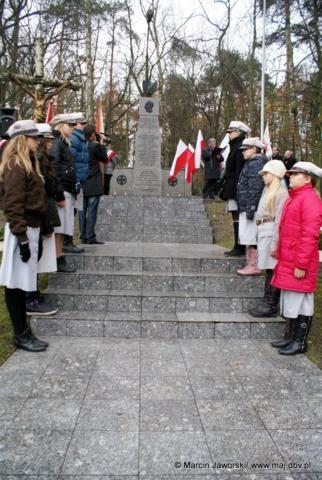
[(298, 256)]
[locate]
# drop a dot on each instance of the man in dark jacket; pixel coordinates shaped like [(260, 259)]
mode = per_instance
[(212, 160), (276, 153), (78, 148), (93, 187), (237, 132)]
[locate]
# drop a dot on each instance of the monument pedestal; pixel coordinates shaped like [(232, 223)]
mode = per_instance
[(147, 177)]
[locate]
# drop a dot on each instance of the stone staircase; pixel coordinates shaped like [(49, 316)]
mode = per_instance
[(164, 290)]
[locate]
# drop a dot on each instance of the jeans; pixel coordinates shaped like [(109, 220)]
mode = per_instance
[(88, 218)]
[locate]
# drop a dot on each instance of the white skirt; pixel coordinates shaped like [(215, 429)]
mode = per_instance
[(264, 240), (231, 205), (14, 273), (247, 230), (66, 216), (48, 261), (293, 304)]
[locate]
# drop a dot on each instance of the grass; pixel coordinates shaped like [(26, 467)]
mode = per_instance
[(223, 235)]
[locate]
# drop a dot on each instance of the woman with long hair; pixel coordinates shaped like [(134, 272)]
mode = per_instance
[(24, 202), (65, 173), (267, 219)]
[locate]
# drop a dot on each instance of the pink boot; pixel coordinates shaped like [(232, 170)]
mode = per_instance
[(251, 267)]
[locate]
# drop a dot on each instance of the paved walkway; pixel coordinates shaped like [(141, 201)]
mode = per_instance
[(148, 409)]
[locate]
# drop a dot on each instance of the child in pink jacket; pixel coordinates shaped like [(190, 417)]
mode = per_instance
[(298, 256)]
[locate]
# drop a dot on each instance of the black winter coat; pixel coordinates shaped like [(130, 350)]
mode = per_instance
[(211, 164), (234, 165), (54, 193), (250, 186), (63, 163), (94, 183)]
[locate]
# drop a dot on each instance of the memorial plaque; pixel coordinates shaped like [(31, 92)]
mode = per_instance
[(147, 169)]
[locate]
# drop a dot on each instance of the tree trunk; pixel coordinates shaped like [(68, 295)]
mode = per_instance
[(89, 62)]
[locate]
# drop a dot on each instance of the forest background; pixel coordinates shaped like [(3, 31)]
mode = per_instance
[(206, 59)]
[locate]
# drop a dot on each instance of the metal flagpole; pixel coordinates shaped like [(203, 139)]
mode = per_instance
[(263, 71)]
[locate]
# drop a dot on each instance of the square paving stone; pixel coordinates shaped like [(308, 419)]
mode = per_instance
[(162, 452), (123, 367), (217, 388), (207, 367), (285, 414), (107, 387), (73, 364), (29, 477), (308, 385), (9, 408), (228, 415), (301, 447), (271, 386), (99, 477), (102, 453), (315, 406), (169, 415), (247, 446), (17, 384), (160, 348), (109, 415), (165, 388), (249, 364), (170, 367), (32, 451), (44, 414), (59, 387)]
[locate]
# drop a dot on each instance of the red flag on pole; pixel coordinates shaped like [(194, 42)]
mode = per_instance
[(190, 165), (180, 159), (50, 111), (99, 117), (200, 145)]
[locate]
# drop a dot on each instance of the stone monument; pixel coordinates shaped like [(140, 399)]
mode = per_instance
[(147, 169)]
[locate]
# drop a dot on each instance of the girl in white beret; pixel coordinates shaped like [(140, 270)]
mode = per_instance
[(24, 203), (267, 220)]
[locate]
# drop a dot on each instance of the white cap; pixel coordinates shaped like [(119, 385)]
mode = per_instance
[(23, 127), (63, 118), (307, 167), (275, 167), (237, 125), (251, 142), (45, 130), (79, 117)]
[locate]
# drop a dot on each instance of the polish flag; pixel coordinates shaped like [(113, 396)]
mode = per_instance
[(200, 145), (180, 159), (50, 111), (267, 143), (99, 125), (190, 165)]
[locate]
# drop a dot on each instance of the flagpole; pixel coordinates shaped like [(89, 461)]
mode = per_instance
[(263, 70)]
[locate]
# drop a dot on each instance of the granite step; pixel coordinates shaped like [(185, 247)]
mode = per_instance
[(158, 325), (150, 301), (161, 281)]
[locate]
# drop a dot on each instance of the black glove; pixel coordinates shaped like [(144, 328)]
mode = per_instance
[(250, 215), (40, 247), (77, 188), (24, 252)]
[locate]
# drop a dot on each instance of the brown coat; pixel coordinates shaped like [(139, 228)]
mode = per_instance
[(24, 200)]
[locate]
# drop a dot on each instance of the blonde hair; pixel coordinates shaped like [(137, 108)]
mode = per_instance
[(17, 152), (271, 192), (60, 127)]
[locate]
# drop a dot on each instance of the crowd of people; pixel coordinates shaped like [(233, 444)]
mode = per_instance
[(277, 217), (47, 173)]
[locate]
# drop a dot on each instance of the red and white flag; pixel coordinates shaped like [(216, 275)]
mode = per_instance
[(99, 118), (190, 163), (267, 143), (180, 159), (50, 111), (200, 145)]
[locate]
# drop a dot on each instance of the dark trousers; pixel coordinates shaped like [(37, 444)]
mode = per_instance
[(16, 305), (88, 217), (210, 188), (107, 183)]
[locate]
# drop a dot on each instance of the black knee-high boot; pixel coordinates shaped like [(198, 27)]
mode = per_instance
[(16, 304), (289, 334), (298, 344), (237, 250)]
